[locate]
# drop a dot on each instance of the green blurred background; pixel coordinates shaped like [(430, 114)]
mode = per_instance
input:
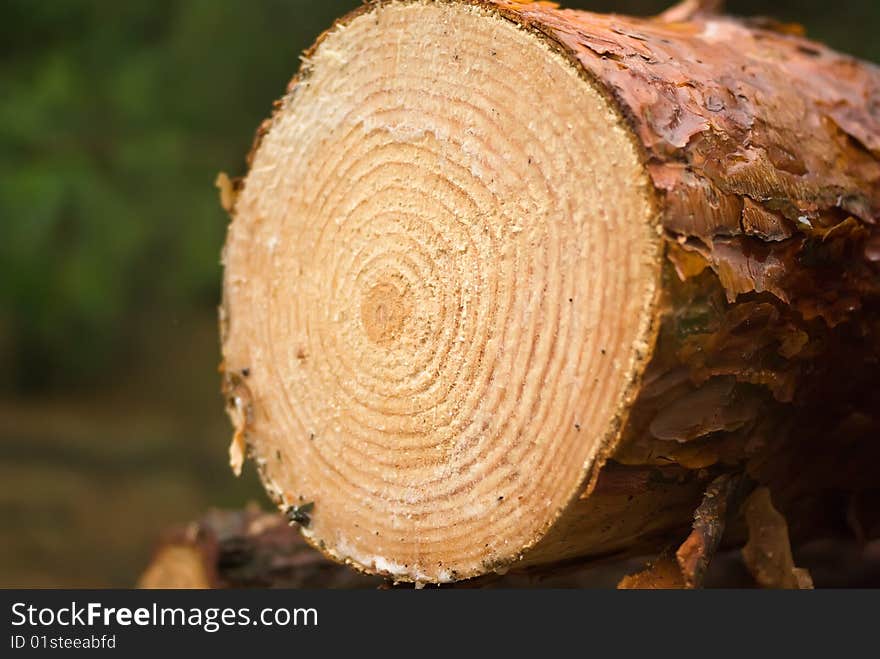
[(114, 121)]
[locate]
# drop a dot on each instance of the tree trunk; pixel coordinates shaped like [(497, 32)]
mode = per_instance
[(508, 284)]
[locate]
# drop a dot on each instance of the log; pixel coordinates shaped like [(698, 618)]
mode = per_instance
[(250, 548), (509, 285), (245, 548)]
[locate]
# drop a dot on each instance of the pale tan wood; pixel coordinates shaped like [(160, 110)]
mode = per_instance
[(438, 281)]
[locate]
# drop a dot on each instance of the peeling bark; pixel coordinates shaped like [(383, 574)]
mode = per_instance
[(710, 519)]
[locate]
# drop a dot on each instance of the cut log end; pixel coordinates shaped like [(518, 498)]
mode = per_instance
[(440, 290)]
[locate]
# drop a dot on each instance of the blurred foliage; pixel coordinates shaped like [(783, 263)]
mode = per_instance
[(114, 119)]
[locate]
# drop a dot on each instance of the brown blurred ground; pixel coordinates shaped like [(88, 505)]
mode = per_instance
[(90, 476)]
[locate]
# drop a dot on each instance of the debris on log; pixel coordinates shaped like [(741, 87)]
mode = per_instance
[(768, 551), (710, 519), (662, 574)]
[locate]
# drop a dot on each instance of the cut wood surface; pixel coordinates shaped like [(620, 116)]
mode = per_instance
[(511, 285)]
